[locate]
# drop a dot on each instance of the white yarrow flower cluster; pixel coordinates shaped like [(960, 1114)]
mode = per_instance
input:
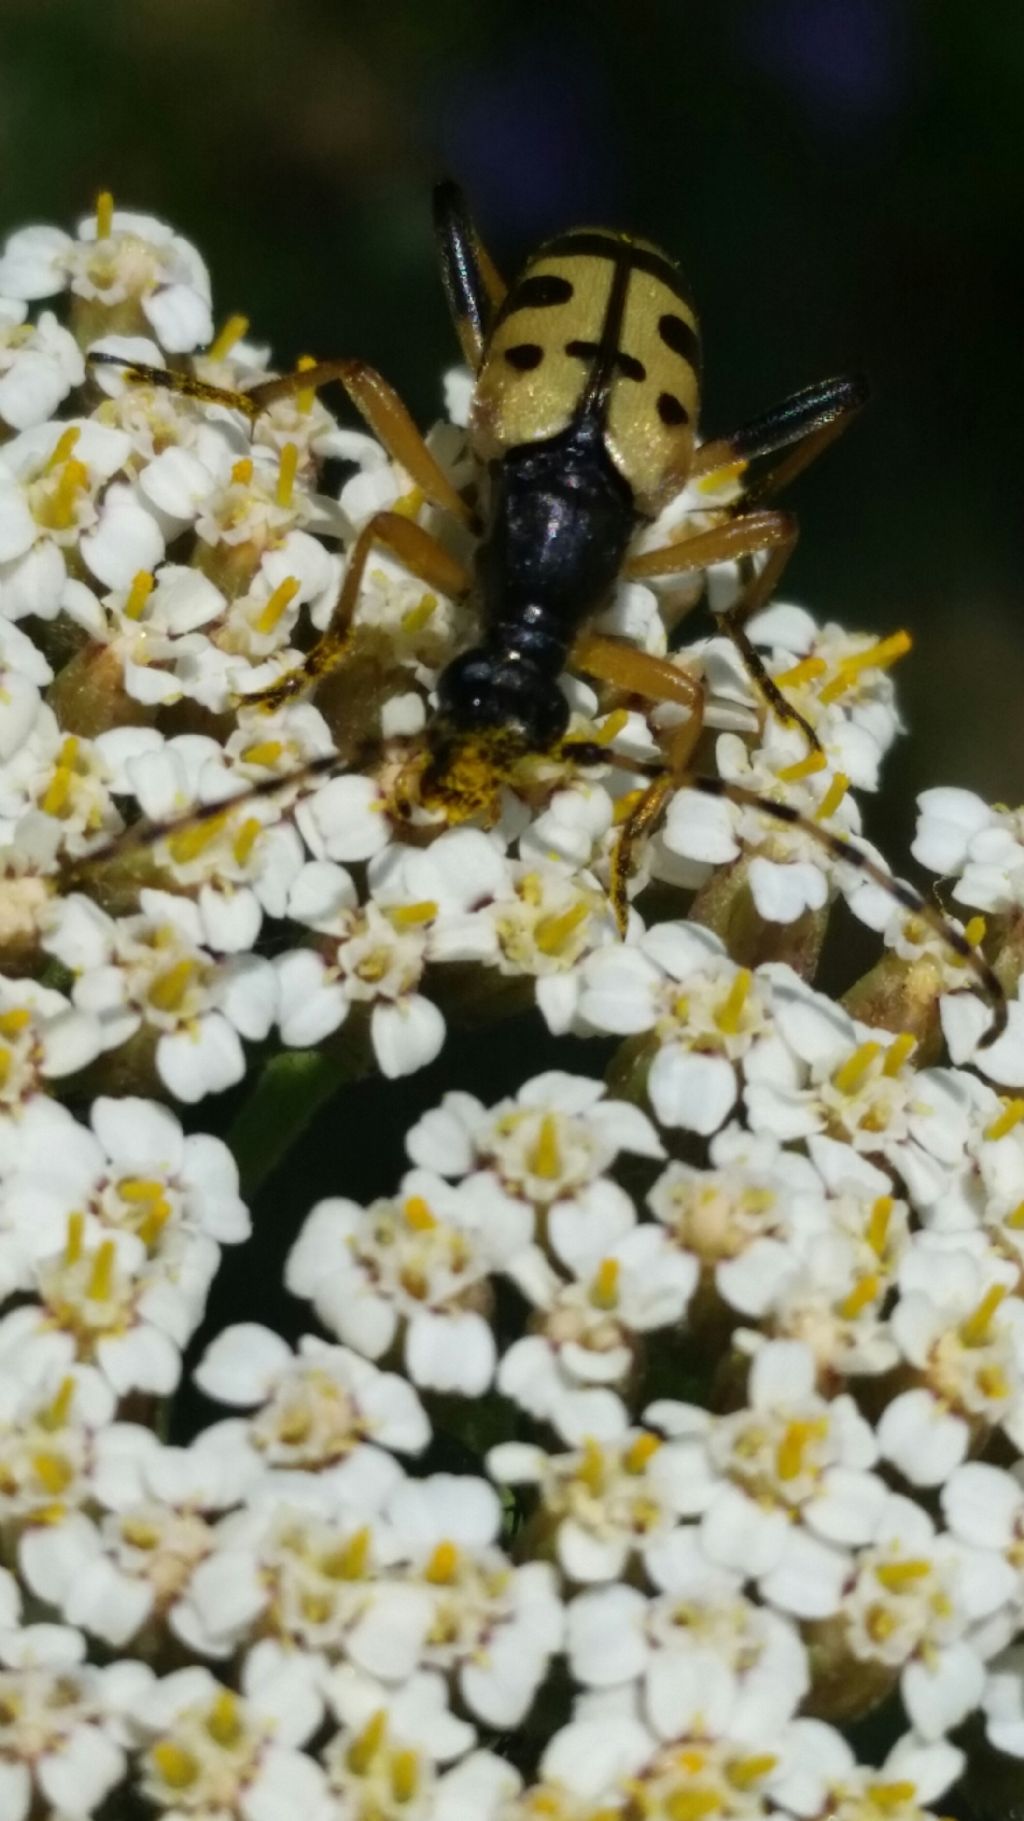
[(634, 1437)]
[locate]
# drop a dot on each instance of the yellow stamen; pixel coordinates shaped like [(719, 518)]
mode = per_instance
[(410, 503), (882, 655), (282, 597), (625, 805), (730, 1011), (877, 1230), (1015, 1220), (721, 477), (138, 1533), (852, 1074), (804, 768), (64, 447), (804, 672), (61, 511), (546, 1158), (1004, 1122), (405, 1775), (690, 1760), (860, 1298), (104, 215), (993, 1383), (408, 916), (975, 931), (58, 1410), (895, 1577), (415, 618), (551, 934), (590, 1470), (418, 1215), (899, 1052), (167, 993), (889, 1796), (74, 1238), (53, 1472), (348, 1563), (14, 1021), (57, 794), (264, 752), (604, 1287), (365, 1746), (880, 1624), (976, 1329), (101, 1277), (245, 839), (443, 1565), (692, 1804), (136, 1189), (241, 473), (744, 1772), (153, 1222), (287, 470), (611, 727), (879, 656), (223, 1722), (5, 1067), (640, 1451), (138, 594), (176, 1766), (316, 1608), (792, 1449), (188, 843), (227, 336), (305, 400), (833, 797)]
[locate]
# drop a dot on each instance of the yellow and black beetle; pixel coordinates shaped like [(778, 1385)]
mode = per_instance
[(583, 425)]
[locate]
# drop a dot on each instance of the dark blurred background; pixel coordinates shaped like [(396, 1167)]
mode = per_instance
[(843, 180)]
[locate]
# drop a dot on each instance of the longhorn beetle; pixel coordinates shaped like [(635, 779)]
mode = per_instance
[(583, 426)]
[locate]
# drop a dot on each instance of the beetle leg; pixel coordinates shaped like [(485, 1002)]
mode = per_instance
[(678, 776), (377, 403), (749, 534), (647, 809), (636, 672), (472, 283), (416, 548), (76, 872)]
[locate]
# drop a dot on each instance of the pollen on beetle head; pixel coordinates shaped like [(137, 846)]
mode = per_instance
[(464, 776)]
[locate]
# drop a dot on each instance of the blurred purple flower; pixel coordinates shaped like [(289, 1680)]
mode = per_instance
[(847, 61), (530, 140)]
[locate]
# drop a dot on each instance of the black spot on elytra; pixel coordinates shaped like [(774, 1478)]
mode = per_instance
[(539, 292), (626, 364), (680, 337), (524, 356), (671, 410), (630, 366)]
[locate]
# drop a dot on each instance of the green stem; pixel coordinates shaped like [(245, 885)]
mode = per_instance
[(295, 1084), (292, 1088)]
